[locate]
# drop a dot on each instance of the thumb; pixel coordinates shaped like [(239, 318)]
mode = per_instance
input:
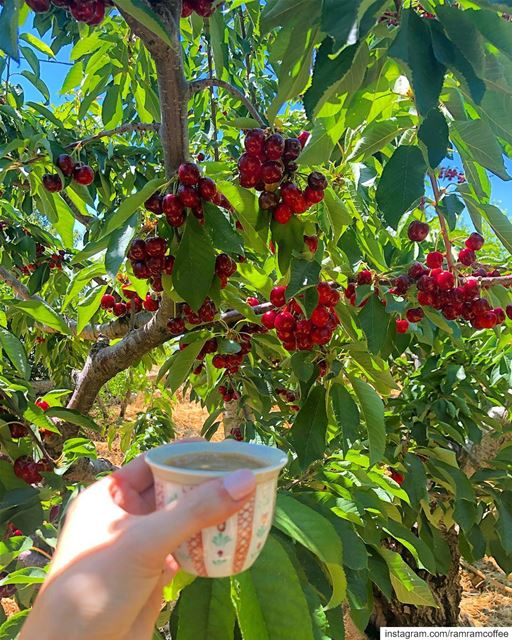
[(160, 533)]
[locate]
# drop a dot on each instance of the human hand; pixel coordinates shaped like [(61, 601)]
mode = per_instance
[(114, 557)]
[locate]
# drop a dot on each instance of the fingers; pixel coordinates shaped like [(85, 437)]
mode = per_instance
[(160, 533)]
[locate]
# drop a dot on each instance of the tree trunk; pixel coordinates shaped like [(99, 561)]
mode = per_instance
[(446, 589)]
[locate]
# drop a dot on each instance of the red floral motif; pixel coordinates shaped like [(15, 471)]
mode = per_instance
[(196, 553), (244, 535)]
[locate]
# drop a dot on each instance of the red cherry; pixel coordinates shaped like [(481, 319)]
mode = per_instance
[(42, 404), (268, 200), (254, 141), (320, 316), (155, 265), (401, 326), (249, 164), (445, 280), (204, 8), (284, 321), (66, 164), (18, 430), (488, 320), (467, 257), (176, 220), (500, 314), (508, 311), (249, 180), (269, 317), (272, 172), (189, 174), (99, 13), (397, 476), (300, 205), (425, 298), (303, 137), (83, 174), (207, 189), (418, 231), (282, 213), (313, 196), (224, 265), (427, 283), (434, 260), (219, 361), (107, 301), (168, 265), (176, 326), (303, 327), (154, 204), (292, 149), (26, 468), (172, 205), (324, 293), (415, 315), (364, 277), (137, 250), (150, 303), (39, 6), (52, 182), (402, 284), (475, 242), (317, 181), (320, 335), (119, 309), (186, 8), (290, 193), (156, 247), (311, 243), (188, 196), (274, 146), (416, 270), (83, 11), (252, 302), (277, 296), (480, 306), (207, 311), (140, 270)]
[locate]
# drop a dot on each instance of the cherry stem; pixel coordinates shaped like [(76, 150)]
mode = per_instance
[(442, 219), (204, 83), (41, 446)]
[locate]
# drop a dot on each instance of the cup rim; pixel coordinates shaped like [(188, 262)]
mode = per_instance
[(157, 458)]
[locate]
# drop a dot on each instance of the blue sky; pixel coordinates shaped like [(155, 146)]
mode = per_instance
[(54, 74)]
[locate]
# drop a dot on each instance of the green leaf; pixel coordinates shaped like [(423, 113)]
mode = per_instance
[(304, 273), (118, 243), (373, 410), (81, 279), (206, 611), (493, 27), (143, 14), (129, 205), (88, 307), (504, 522), (37, 44), (346, 413), (413, 45), (339, 19), (436, 318), (73, 78), (269, 600), (43, 313), (500, 223), (38, 84), (324, 136), (337, 213), (181, 364), (112, 107), (37, 416), (38, 278), (222, 233), (9, 28), (402, 183), (482, 145), (73, 417), (408, 586), (15, 351), (465, 36), (310, 426), (376, 136), (433, 132), (316, 533), (245, 204), (12, 626), (452, 207), (278, 12), (374, 321), (195, 264)]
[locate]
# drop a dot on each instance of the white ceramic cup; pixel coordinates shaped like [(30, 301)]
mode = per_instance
[(232, 546)]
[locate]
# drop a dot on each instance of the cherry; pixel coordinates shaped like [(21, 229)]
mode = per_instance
[(207, 189), (272, 172), (176, 219), (255, 141), (39, 6), (397, 476), (186, 8), (52, 182), (427, 283), (402, 284), (150, 303), (207, 311), (467, 257), (140, 270), (155, 265), (480, 306), (66, 164), (204, 8), (269, 317), (42, 404), (282, 213), (82, 11), (99, 13), (324, 293), (292, 149), (284, 321), (320, 316), (26, 468), (119, 309), (83, 174), (224, 265), (364, 277), (475, 242), (415, 315), (300, 205), (172, 205), (508, 311), (313, 196), (154, 204), (18, 430), (277, 296), (219, 361), (274, 146), (252, 302), (248, 181), (188, 196), (311, 243), (500, 314), (317, 181), (107, 301), (176, 326), (268, 200), (488, 320), (303, 137), (137, 250), (290, 193), (401, 326), (320, 335), (445, 280), (416, 270), (418, 231), (156, 247), (189, 174), (249, 164), (168, 265), (435, 260)]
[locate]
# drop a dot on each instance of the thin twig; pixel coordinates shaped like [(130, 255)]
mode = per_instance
[(442, 219), (77, 214), (204, 83), (213, 104), (124, 128)]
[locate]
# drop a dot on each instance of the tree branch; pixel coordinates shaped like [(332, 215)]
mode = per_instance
[(108, 133), (18, 287), (77, 214), (442, 220), (204, 83)]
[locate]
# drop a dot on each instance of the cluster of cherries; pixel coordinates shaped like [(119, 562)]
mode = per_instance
[(192, 190), (26, 468), (206, 313), (55, 260), (120, 308), (449, 173), (269, 164), (203, 8), (149, 260), (91, 12), (293, 329), (78, 171)]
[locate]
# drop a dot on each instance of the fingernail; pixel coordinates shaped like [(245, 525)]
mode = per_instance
[(239, 484)]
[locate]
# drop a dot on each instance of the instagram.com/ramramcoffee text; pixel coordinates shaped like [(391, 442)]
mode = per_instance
[(411, 633)]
